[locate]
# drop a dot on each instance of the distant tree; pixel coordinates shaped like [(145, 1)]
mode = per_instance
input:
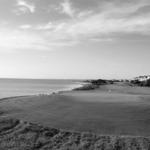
[(98, 82), (136, 82)]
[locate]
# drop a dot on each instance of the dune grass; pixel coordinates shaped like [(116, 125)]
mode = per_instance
[(19, 135)]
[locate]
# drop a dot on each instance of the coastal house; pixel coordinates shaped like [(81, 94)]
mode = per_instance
[(143, 78)]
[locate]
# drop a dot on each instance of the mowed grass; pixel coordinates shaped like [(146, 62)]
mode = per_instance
[(113, 110)]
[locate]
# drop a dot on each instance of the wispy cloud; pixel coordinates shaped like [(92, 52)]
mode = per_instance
[(21, 40), (66, 7), (111, 21), (106, 24), (47, 26), (25, 26), (24, 7)]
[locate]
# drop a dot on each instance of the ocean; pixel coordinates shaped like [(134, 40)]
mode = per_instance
[(22, 87)]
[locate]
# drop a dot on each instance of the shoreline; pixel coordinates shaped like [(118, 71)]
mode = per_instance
[(80, 85), (52, 107), (54, 100)]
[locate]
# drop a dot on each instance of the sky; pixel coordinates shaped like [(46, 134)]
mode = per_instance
[(74, 39)]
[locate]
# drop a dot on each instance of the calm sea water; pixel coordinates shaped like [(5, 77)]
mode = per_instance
[(20, 87)]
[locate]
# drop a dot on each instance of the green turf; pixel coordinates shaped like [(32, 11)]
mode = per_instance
[(112, 109)]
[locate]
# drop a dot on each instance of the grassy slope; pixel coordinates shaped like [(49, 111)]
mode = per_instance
[(19, 135), (112, 109)]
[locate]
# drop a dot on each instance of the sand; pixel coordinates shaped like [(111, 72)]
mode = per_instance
[(115, 110)]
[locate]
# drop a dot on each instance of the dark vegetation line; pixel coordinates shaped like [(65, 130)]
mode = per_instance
[(94, 84)]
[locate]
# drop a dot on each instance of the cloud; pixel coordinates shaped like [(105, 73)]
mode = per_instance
[(24, 7), (25, 39), (25, 26), (47, 26), (109, 24), (106, 25), (66, 7), (21, 40)]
